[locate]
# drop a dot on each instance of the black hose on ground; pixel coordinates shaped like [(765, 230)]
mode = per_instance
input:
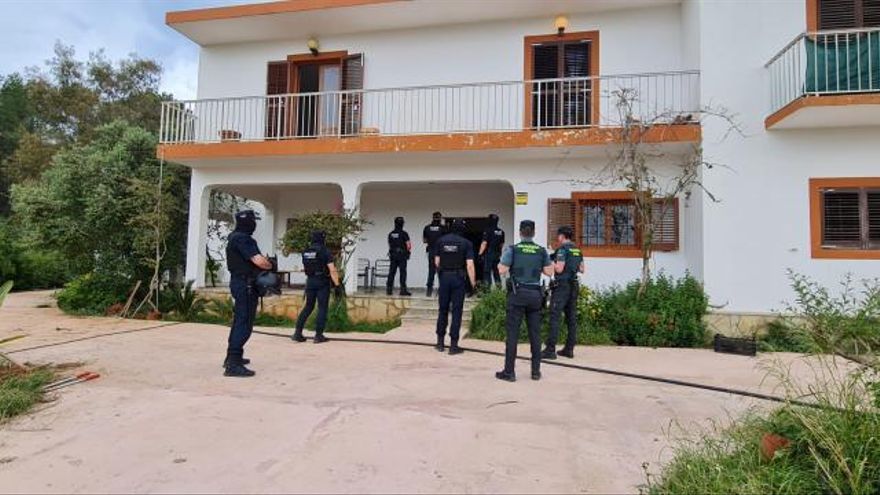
[(90, 337)]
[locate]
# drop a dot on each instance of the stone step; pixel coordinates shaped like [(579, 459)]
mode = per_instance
[(429, 314)]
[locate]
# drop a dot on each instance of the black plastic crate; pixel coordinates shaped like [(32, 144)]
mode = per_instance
[(733, 345)]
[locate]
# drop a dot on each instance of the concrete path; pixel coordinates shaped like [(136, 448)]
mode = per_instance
[(342, 417)]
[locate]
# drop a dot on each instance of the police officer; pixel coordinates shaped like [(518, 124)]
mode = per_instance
[(430, 234), (568, 262), (455, 264), (525, 262), (321, 273), (244, 261), (490, 251), (399, 249)]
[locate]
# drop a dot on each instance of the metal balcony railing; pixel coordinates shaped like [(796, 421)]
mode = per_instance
[(825, 63), (424, 110)]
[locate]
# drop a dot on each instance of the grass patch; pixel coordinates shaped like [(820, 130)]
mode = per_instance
[(782, 337), (21, 389)]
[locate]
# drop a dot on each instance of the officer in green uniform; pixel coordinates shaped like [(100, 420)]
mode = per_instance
[(524, 262), (568, 262)]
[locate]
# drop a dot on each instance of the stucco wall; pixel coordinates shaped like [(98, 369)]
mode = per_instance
[(761, 227)]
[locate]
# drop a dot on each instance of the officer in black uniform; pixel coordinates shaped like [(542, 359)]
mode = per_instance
[(568, 262), (430, 234), (399, 249), (525, 262), (490, 251), (244, 261), (455, 262), (321, 275)]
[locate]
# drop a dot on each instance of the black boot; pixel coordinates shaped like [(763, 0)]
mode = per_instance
[(429, 292), (243, 361), (389, 291), (440, 345), (567, 352), (235, 367), (548, 353), (454, 348), (405, 292), (320, 339), (507, 376), (536, 375), (297, 337)]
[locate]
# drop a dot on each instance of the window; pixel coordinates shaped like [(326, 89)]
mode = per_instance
[(847, 14), (605, 223), (845, 218), (561, 92)]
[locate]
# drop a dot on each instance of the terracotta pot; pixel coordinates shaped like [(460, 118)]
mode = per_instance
[(770, 443)]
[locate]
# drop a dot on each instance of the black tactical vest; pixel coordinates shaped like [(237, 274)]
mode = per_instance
[(496, 237), (451, 252), (528, 263), (432, 234), (237, 265), (573, 259), (313, 264)]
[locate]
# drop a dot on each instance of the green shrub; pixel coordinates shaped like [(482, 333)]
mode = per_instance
[(782, 337), (488, 319), (183, 302), (40, 270), (668, 314), (93, 293)]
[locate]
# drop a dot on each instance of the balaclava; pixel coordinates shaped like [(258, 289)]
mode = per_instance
[(458, 226), (398, 223), (493, 220), (246, 222), (318, 237)]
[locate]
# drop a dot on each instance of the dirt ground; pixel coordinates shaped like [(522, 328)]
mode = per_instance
[(343, 416)]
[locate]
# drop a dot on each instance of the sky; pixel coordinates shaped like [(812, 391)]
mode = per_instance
[(29, 29)]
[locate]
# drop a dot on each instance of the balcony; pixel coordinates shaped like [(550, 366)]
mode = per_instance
[(826, 79), (547, 112)]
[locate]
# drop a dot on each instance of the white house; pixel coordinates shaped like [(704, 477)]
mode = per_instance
[(403, 107)]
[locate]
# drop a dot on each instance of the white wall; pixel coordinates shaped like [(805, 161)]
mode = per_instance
[(761, 227), (454, 54)]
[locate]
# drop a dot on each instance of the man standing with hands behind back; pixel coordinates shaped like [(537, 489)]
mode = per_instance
[(455, 263)]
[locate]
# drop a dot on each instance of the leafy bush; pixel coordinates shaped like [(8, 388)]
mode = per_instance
[(488, 319), (93, 293), (668, 314), (30, 268), (183, 302), (782, 337)]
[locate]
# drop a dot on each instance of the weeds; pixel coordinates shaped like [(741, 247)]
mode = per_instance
[(21, 389)]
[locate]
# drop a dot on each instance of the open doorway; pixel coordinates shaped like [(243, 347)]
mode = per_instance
[(474, 227)]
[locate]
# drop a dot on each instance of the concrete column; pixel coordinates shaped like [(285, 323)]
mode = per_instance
[(197, 236), (351, 199)]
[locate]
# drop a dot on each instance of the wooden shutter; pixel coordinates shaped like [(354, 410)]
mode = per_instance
[(841, 224), (871, 13), (545, 97), (560, 212), (276, 114), (666, 228), (837, 14), (873, 219), (352, 79)]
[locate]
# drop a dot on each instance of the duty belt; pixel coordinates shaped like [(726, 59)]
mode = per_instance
[(528, 286), (455, 272)]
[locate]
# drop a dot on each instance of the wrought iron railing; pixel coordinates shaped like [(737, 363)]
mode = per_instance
[(423, 110)]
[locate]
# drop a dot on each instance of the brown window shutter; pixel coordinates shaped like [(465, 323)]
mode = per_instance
[(871, 13), (276, 84), (873, 218), (560, 212), (666, 226), (839, 14), (352, 80), (841, 225)]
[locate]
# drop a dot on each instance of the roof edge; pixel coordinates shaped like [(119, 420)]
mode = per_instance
[(267, 8)]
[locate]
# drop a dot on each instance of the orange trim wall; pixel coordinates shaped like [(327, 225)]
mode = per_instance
[(812, 15), (816, 187), (255, 9), (819, 101), (529, 41), (441, 142)]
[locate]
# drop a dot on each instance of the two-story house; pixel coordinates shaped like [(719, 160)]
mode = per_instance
[(404, 107)]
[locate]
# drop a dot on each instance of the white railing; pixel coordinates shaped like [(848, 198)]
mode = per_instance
[(423, 110), (825, 63)]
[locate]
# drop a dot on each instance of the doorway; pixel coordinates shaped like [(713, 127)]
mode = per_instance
[(474, 228), (317, 112)]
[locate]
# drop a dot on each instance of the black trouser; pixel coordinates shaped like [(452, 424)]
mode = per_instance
[(432, 270), (490, 268), (453, 287), (317, 289), (526, 302), (563, 301), (397, 263), (245, 310)]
